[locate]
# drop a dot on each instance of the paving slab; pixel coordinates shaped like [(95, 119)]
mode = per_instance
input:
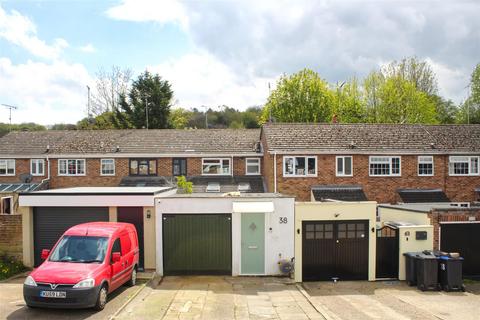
[(203, 297)]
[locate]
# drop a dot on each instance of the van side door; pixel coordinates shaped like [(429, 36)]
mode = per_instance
[(117, 267), (127, 256)]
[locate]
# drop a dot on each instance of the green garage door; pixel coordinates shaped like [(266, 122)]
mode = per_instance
[(197, 244)]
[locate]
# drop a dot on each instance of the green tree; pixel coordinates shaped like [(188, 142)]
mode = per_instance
[(350, 106), (63, 126), (371, 95), (420, 73), (251, 117), (401, 102), (300, 97), (106, 120), (470, 109), (26, 126), (446, 110), (179, 118), (149, 97)]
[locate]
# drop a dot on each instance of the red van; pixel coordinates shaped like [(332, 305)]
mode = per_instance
[(88, 262)]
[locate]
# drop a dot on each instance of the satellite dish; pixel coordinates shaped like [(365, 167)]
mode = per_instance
[(26, 178)]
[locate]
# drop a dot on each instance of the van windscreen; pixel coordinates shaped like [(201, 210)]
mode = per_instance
[(81, 249)]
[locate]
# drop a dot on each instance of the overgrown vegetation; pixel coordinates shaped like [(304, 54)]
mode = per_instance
[(9, 267), (184, 186)]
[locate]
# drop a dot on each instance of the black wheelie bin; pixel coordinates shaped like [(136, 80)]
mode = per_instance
[(450, 269), (411, 267), (427, 272)]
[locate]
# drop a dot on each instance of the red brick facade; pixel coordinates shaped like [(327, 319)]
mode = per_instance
[(437, 216), (381, 189), (93, 175)]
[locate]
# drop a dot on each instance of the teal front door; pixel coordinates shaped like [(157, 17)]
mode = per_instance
[(253, 243)]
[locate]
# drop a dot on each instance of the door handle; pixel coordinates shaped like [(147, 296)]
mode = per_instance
[(338, 241), (252, 247)]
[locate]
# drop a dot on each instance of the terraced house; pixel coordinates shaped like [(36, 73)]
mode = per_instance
[(69, 177), (383, 163)]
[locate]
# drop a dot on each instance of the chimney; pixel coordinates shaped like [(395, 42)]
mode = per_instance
[(334, 119)]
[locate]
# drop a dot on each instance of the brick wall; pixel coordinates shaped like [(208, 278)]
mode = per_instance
[(92, 175), (22, 166), (381, 189), (437, 216), (11, 235)]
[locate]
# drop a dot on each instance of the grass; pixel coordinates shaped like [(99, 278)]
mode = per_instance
[(9, 267)]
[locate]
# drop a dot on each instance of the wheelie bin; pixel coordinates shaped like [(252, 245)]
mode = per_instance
[(427, 272), (411, 267), (450, 276)]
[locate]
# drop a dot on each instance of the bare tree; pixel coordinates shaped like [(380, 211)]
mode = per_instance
[(109, 86)]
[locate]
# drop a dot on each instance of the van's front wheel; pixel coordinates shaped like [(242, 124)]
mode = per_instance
[(102, 298), (133, 278)]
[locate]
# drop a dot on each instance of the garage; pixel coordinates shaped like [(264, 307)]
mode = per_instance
[(335, 250), (224, 234), (51, 222), (465, 239), (335, 240), (197, 244)]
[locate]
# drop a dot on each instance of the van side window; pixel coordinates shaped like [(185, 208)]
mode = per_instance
[(116, 247), (126, 244)]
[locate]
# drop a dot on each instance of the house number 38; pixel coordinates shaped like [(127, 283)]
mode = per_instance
[(283, 220)]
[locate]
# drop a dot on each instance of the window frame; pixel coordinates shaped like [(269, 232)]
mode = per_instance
[(294, 175), (66, 174), (425, 162), (173, 167), (469, 174), (148, 170), (390, 158), (35, 163), (101, 167), (6, 174), (258, 164), (343, 161), (220, 160)]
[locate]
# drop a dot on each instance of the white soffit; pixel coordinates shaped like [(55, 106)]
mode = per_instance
[(253, 207)]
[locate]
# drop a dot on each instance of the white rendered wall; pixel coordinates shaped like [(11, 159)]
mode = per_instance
[(279, 240)]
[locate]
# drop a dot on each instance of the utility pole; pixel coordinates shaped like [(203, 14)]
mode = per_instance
[(10, 114), (146, 109), (88, 102)]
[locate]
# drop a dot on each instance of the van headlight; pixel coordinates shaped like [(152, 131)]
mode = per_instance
[(87, 283), (30, 282)]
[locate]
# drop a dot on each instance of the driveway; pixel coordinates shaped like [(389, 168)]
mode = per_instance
[(210, 297), (392, 300), (12, 305)]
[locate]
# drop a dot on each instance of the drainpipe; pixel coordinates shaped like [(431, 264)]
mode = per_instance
[(231, 167), (48, 172), (275, 172)]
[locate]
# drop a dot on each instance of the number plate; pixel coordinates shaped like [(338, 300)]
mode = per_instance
[(53, 294)]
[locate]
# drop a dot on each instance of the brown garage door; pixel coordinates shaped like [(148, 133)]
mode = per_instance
[(335, 249)]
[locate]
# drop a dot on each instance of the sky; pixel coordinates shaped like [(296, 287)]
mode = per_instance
[(220, 52)]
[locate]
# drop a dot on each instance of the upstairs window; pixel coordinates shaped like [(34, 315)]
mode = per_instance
[(463, 166), (107, 167), (425, 166), (71, 167), (37, 167), (7, 167), (219, 166), (143, 167), (179, 167), (252, 166), (300, 166), (385, 166), (344, 166)]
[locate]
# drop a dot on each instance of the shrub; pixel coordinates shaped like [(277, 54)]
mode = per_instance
[(10, 266)]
